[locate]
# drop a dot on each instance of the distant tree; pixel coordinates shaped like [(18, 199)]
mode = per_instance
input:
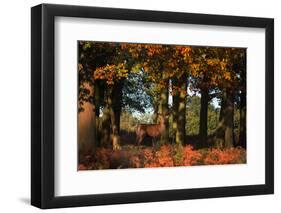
[(193, 115), (212, 118), (137, 96), (128, 121)]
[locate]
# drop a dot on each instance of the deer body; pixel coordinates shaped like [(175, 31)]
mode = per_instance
[(151, 130)]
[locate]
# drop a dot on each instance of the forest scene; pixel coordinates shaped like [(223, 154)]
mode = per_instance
[(158, 105)]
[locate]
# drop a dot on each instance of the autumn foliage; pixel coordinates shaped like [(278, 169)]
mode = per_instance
[(160, 105), (164, 156)]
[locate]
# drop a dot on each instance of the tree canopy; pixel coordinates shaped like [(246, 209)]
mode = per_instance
[(179, 81)]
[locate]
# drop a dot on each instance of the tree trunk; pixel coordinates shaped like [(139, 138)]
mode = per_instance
[(114, 134), (94, 119), (86, 136), (105, 121), (242, 135), (86, 124), (175, 84), (117, 103), (164, 110), (105, 128), (114, 137), (97, 111), (218, 135), (180, 133), (228, 114), (203, 129), (242, 128)]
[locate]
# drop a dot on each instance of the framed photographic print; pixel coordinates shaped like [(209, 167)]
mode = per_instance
[(139, 106)]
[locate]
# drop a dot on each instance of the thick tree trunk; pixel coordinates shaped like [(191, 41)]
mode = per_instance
[(228, 114), (156, 108), (203, 128), (242, 108), (180, 133), (105, 120), (94, 120), (175, 84), (110, 124), (114, 134), (117, 103), (87, 124), (164, 110), (96, 110), (105, 128), (222, 107), (86, 136), (114, 128), (242, 135), (218, 135)]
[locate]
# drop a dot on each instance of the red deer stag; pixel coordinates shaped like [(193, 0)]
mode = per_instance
[(151, 130)]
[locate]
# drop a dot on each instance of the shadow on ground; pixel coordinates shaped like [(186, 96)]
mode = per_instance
[(25, 200)]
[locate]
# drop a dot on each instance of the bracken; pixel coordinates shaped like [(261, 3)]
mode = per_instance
[(164, 156)]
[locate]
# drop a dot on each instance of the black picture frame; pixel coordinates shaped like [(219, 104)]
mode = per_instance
[(43, 105)]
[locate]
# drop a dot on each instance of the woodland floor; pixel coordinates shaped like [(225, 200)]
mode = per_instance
[(170, 155)]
